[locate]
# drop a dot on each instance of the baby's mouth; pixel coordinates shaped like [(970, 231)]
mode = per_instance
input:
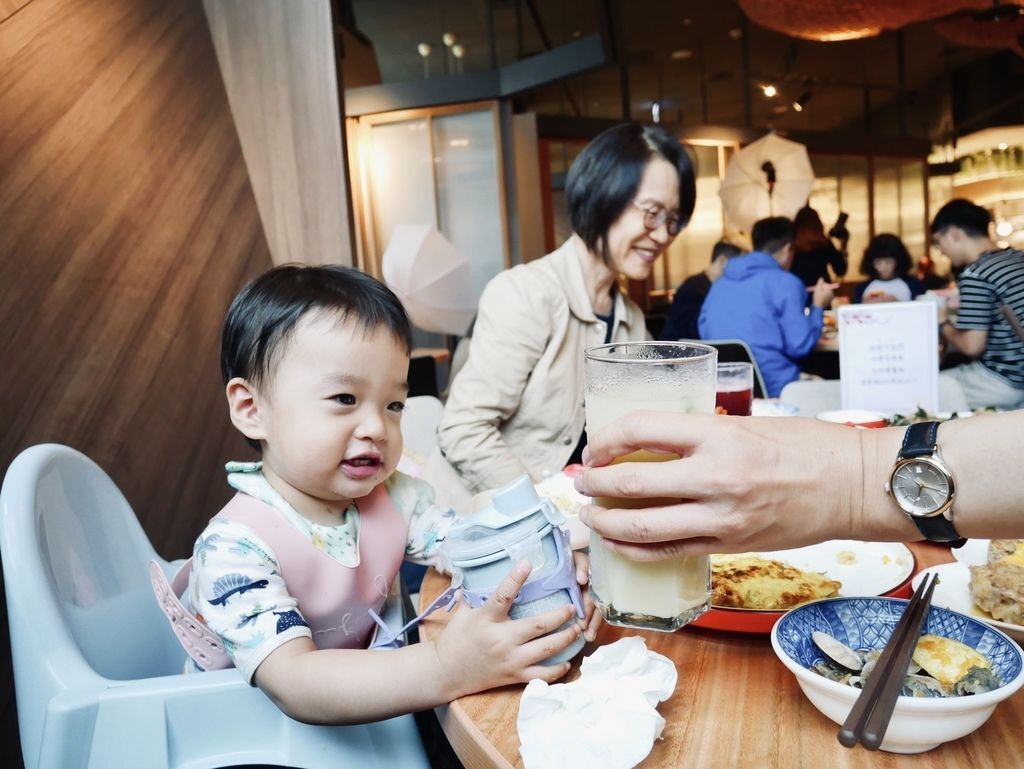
[(362, 467), (363, 461)]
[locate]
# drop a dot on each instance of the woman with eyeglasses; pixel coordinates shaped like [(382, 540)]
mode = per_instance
[(517, 404)]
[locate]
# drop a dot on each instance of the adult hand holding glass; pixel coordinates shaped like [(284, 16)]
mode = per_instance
[(750, 483), (740, 479)]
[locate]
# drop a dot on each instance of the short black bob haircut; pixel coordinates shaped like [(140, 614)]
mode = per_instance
[(605, 176), (267, 310), (882, 246), (971, 218), (772, 234)]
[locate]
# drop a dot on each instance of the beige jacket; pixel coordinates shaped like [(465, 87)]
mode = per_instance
[(517, 405)]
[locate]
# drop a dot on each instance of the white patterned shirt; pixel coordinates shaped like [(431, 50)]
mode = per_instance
[(249, 624)]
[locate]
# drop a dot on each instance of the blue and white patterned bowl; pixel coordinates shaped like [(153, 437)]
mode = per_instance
[(918, 724)]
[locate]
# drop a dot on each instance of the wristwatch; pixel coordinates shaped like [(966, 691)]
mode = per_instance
[(923, 486)]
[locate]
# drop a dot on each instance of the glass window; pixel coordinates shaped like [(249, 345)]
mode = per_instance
[(913, 228), (852, 195), (469, 202), (887, 196), (401, 178)]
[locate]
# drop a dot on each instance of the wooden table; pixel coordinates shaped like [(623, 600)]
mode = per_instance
[(735, 707)]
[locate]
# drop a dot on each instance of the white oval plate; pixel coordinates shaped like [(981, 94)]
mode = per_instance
[(973, 553), (863, 568), (954, 592), (769, 407)]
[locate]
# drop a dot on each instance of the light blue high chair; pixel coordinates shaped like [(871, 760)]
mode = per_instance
[(96, 665)]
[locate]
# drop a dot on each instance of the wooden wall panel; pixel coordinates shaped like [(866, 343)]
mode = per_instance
[(10, 7), (278, 62), (128, 223)]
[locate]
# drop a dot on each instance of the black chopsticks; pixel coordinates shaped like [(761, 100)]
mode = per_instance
[(869, 717)]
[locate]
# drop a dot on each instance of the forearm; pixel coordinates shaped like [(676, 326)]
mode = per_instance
[(350, 686), (965, 341), (801, 333), (839, 261), (469, 434), (477, 451), (983, 454)]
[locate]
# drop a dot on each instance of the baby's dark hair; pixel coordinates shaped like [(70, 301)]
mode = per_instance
[(267, 310)]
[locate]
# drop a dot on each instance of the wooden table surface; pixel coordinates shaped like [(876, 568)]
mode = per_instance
[(735, 706)]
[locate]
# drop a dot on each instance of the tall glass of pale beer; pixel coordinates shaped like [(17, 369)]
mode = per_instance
[(674, 377)]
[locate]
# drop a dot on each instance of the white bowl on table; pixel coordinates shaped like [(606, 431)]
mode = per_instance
[(917, 724), (854, 418)]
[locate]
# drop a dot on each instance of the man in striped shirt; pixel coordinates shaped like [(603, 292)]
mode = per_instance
[(991, 300)]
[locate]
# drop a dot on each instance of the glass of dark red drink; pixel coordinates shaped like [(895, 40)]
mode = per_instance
[(735, 391)]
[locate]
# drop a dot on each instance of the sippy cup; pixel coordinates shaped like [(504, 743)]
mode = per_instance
[(517, 525)]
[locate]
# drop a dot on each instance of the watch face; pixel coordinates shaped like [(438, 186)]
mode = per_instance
[(920, 487)]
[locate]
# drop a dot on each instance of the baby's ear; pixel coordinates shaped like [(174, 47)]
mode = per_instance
[(244, 409)]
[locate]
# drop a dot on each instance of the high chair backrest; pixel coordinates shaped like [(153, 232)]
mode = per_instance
[(97, 668), (86, 558)]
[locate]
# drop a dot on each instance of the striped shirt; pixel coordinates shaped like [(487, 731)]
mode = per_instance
[(996, 278)]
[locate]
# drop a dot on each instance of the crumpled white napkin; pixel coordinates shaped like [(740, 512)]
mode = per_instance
[(606, 718)]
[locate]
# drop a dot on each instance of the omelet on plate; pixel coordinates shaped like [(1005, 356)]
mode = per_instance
[(947, 660), (748, 581)]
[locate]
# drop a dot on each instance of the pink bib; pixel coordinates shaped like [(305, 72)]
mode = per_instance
[(335, 600)]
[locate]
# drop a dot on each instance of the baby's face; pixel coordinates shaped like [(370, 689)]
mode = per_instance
[(331, 413)]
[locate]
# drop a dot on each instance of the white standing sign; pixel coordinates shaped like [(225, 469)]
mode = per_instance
[(889, 356)]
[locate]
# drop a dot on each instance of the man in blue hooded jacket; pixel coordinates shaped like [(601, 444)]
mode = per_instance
[(760, 301)]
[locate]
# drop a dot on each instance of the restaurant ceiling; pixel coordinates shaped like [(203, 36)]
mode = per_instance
[(703, 63)]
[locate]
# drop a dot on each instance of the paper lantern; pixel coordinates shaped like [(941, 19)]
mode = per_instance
[(847, 19), (966, 29)]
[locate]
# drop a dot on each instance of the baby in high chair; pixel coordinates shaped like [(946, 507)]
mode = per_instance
[(289, 574)]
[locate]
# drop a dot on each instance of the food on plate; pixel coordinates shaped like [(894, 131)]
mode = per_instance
[(998, 586), (921, 415), (940, 666), (1008, 550), (560, 489), (747, 581)]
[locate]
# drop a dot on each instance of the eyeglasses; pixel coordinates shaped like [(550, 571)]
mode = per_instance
[(656, 216)]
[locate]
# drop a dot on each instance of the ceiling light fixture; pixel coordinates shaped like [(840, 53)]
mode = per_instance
[(424, 50), (769, 90), (448, 38), (800, 104), (1004, 229)]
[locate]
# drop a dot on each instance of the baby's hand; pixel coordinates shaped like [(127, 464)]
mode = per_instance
[(483, 648), (591, 618)]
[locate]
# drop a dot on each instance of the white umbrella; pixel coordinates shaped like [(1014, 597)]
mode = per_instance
[(769, 177), (432, 279)]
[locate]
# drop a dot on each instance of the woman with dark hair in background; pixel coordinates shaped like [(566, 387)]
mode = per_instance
[(517, 405), (887, 264), (813, 252)]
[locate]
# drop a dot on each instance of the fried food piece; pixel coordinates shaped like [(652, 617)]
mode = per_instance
[(998, 588), (999, 549), (752, 582)]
